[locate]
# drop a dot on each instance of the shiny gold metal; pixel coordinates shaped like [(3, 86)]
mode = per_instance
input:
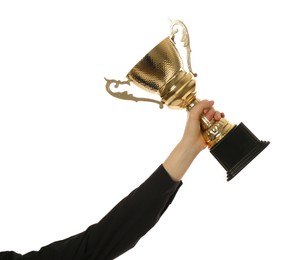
[(161, 71), (125, 95)]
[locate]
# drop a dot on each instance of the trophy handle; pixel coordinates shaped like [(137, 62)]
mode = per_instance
[(185, 39), (206, 124), (124, 95)]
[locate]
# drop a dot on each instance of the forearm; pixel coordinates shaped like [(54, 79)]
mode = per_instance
[(135, 215), (180, 159)]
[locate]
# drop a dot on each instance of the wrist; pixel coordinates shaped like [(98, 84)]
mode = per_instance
[(190, 147), (180, 159)]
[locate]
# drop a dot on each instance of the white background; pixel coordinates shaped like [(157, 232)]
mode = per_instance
[(69, 151)]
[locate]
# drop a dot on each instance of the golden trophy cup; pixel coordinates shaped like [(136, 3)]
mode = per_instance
[(161, 71)]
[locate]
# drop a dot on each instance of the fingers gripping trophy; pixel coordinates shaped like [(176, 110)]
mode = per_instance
[(161, 71)]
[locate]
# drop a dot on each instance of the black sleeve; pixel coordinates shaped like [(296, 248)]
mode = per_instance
[(120, 229)]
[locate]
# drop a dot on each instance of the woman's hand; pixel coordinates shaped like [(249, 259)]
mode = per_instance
[(192, 137)]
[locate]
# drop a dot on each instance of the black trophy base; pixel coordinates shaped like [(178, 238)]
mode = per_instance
[(237, 149)]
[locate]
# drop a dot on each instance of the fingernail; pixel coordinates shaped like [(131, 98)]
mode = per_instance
[(218, 115)]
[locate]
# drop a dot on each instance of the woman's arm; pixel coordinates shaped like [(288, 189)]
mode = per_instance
[(137, 213), (192, 142)]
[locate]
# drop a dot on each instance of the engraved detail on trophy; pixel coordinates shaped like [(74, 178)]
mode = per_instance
[(217, 131), (161, 72)]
